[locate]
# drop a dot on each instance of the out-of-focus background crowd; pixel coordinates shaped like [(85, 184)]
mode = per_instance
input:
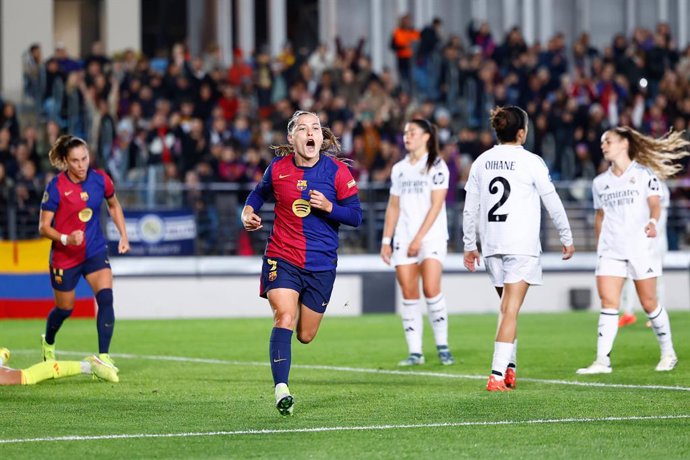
[(184, 131)]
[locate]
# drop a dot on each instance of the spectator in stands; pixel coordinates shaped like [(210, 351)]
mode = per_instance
[(402, 43)]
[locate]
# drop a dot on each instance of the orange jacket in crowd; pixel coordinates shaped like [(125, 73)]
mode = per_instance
[(403, 40)]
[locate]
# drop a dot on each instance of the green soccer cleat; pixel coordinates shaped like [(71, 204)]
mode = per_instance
[(102, 370), (106, 359), (47, 350), (4, 356), (284, 400)]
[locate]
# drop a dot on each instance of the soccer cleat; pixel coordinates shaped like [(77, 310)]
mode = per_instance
[(496, 385), (284, 400), (415, 359), (102, 370), (47, 350), (667, 363), (597, 367), (627, 319), (445, 356), (509, 378), (106, 359), (4, 356)]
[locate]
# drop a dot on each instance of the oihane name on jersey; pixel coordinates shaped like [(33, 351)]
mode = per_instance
[(620, 198), (500, 164)]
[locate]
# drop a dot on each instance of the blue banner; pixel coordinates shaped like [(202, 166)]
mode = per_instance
[(156, 233)]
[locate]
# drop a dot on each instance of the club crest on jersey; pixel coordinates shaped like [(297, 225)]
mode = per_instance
[(301, 208), (85, 214), (632, 180), (84, 196), (272, 276), (301, 185)]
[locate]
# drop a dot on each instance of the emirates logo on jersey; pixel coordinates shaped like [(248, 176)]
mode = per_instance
[(301, 185), (301, 208)]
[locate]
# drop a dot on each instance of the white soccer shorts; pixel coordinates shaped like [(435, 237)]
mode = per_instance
[(641, 268), (509, 269), (429, 250)]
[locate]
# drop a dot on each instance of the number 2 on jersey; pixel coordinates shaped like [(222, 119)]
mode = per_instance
[(494, 189)]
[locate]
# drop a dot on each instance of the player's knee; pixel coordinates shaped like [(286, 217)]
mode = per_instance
[(431, 291), (104, 298), (306, 336), (284, 320)]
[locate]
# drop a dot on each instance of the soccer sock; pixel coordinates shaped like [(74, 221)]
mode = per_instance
[(105, 320), (280, 353), (413, 325), (608, 328), (513, 357), (50, 370), (438, 317), (54, 322), (662, 328), (502, 354)]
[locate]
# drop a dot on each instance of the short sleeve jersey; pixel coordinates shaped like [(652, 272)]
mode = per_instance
[(626, 211), (77, 207), (509, 181), (303, 236), (414, 184)]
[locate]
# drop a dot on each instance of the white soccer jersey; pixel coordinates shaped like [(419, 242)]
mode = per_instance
[(626, 211), (414, 184), (509, 182)]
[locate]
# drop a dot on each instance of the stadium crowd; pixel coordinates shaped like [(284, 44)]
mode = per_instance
[(184, 121)]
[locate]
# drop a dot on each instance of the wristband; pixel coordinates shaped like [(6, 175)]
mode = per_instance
[(63, 239), (653, 221), (386, 240)]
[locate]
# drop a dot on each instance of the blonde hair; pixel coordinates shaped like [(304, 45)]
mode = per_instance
[(330, 146), (60, 149), (659, 155)]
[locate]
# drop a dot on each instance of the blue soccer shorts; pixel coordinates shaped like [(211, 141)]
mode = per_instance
[(66, 280), (314, 288)]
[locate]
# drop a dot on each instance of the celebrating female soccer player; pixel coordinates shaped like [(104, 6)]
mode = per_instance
[(314, 194), (54, 370), (416, 216), (503, 192), (70, 218), (628, 207)]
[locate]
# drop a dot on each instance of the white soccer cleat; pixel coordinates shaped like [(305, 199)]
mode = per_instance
[(667, 363), (415, 359), (597, 367), (284, 401)]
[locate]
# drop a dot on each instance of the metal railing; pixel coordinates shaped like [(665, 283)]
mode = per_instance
[(217, 207)]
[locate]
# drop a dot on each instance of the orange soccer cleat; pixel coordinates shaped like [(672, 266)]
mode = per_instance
[(509, 378), (496, 385), (627, 319)]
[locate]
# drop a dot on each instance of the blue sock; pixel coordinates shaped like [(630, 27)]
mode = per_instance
[(105, 320), (55, 319), (280, 354)]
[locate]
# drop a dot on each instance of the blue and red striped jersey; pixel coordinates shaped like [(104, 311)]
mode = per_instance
[(302, 236), (77, 207)]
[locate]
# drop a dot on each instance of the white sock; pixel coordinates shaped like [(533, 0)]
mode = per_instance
[(85, 367), (502, 354), (608, 328), (513, 357), (438, 317), (662, 329), (413, 325)]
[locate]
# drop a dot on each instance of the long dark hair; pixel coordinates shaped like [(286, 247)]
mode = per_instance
[(507, 121), (61, 148), (432, 143)]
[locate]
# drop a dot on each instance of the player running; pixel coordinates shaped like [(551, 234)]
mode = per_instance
[(314, 194), (69, 217)]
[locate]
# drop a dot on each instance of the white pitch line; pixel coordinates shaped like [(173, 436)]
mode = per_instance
[(344, 428), (364, 370)]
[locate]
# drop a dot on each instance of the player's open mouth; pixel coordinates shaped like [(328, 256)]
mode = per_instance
[(310, 145)]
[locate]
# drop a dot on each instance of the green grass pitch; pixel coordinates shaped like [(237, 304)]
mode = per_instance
[(203, 389)]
